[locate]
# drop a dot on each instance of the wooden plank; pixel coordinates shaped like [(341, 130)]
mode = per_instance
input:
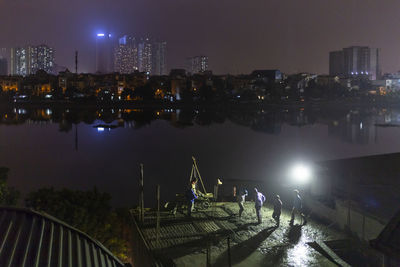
[(332, 254)]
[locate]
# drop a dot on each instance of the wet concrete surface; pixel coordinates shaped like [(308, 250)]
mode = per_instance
[(264, 244)]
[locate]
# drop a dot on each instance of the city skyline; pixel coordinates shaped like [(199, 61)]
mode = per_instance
[(355, 61), (197, 64), (104, 49), (294, 37), (28, 60)]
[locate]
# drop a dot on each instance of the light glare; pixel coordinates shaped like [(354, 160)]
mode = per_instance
[(301, 173)]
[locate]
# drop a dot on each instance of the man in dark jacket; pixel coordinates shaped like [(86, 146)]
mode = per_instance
[(277, 209), (297, 207)]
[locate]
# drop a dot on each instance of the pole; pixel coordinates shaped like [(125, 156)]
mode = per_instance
[(191, 174), (363, 226), (208, 253), (141, 194), (158, 214), (229, 252), (349, 202), (215, 199), (76, 137), (198, 172), (76, 61)]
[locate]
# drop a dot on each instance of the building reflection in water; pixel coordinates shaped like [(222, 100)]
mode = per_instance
[(356, 126)]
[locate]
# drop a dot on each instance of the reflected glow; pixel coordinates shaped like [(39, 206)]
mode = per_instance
[(301, 173), (299, 255)]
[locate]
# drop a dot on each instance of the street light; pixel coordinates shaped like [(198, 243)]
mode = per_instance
[(301, 174)]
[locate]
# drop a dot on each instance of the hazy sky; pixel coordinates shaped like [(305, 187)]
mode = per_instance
[(237, 35)]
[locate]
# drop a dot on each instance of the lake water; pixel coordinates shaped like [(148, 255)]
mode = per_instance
[(83, 148)]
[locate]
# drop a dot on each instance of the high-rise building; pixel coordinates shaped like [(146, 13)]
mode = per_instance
[(197, 64), (3, 66), (3, 52), (104, 53), (145, 55), (18, 61), (126, 55), (355, 61), (159, 60), (336, 63), (28, 60), (41, 58), (3, 61)]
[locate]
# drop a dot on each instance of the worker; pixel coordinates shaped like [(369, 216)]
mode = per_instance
[(259, 200), (276, 215), (191, 196), (241, 198), (297, 207)]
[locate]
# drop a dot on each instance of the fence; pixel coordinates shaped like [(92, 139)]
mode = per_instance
[(142, 255)]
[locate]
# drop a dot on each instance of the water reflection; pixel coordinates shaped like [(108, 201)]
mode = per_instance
[(358, 126), (80, 148)]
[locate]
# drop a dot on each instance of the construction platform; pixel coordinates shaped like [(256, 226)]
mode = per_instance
[(204, 238)]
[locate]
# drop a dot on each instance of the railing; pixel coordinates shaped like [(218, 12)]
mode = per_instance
[(210, 240), (142, 255)]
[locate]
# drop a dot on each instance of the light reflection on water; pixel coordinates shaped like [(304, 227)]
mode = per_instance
[(61, 147), (299, 255)]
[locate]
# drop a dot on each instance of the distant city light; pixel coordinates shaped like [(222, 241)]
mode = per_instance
[(352, 73), (100, 129), (366, 72), (100, 35)]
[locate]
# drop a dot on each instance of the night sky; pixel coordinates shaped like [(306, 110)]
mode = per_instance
[(238, 36)]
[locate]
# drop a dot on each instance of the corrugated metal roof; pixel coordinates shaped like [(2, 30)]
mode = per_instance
[(30, 238)]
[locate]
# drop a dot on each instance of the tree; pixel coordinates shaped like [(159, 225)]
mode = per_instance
[(145, 92), (206, 93), (8, 195), (88, 211), (126, 92)]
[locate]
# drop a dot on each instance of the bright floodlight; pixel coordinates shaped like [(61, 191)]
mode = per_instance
[(301, 173)]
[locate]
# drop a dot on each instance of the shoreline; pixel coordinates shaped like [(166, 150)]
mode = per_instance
[(336, 104)]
